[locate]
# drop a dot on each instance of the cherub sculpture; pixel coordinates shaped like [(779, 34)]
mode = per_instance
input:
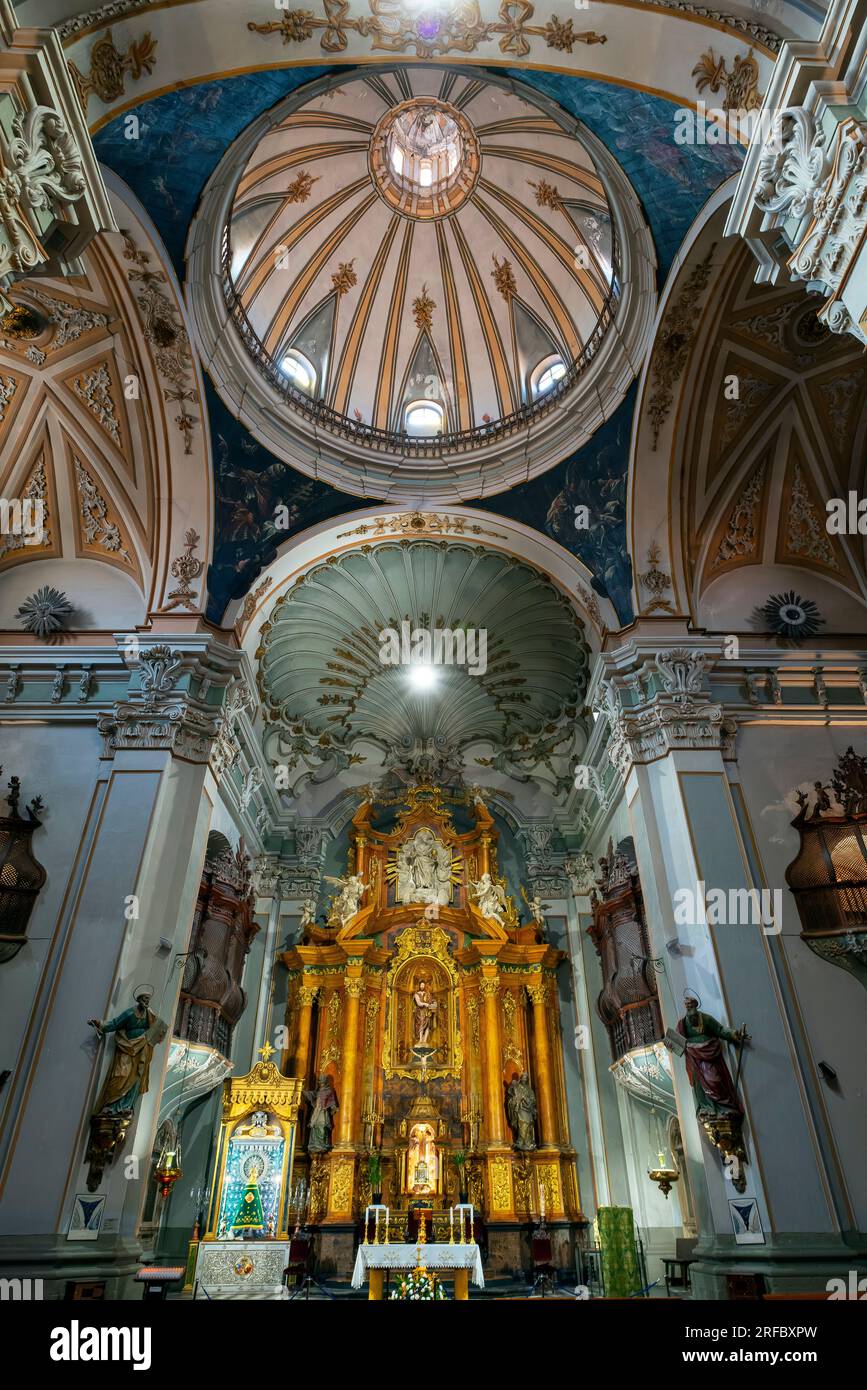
[(537, 911), (490, 899), (346, 903)]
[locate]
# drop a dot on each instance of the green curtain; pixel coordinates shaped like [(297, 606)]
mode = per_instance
[(619, 1258)]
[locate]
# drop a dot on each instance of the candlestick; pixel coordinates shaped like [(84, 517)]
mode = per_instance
[(472, 1240), (387, 1213), (462, 1241), (451, 1225), (376, 1225), (366, 1222)]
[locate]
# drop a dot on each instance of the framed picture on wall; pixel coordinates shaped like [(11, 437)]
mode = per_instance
[(86, 1219), (746, 1221)]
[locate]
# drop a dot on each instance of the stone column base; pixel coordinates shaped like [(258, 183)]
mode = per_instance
[(58, 1262)]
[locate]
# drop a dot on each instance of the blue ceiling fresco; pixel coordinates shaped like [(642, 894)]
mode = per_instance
[(181, 138)]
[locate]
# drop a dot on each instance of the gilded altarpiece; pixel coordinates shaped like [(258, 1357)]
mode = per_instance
[(421, 1011)]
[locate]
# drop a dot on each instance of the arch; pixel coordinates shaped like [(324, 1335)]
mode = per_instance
[(750, 417)]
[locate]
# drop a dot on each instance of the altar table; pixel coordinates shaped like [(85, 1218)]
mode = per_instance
[(464, 1261)]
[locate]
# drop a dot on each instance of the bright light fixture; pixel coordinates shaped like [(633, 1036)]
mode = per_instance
[(422, 676)]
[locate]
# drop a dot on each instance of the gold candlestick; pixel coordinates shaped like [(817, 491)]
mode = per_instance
[(462, 1240), (472, 1239), (376, 1225), (387, 1214), (451, 1225)]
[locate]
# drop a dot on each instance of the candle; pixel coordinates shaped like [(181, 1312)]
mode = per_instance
[(387, 1213), (542, 1202), (366, 1223), (451, 1225)]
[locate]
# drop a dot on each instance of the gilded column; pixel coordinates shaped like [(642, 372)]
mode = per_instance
[(544, 1071), (490, 989), (301, 1061), (360, 842), (353, 988)]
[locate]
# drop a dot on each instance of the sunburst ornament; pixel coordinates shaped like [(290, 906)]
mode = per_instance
[(45, 612), (789, 615)]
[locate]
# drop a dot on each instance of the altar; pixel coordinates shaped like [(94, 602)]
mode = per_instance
[(463, 1262), (422, 1023)]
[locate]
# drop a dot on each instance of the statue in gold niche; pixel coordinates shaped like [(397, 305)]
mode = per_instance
[(424, 870), (423, 1161), (424, 1012)]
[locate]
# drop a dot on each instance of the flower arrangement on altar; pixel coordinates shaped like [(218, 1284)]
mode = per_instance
[(420, 1285)]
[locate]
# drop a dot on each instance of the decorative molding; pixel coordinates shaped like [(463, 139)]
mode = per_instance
[(250, 603), (673, 343), (741, 85), (421, 524), (93, 389), (165, 333), (580, 869), (504, 278), (678, 715), (185, 568), (344, 278), (105, 77), (740, 538), (41, 172), (298, 191), (70, 321), (99, 529), (422, 310), (656, 581), (818, 180), (806, 533), (428, 35)]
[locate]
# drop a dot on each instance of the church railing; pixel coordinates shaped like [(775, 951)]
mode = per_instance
[(398, 441)]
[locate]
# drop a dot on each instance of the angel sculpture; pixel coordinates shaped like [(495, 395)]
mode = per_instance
[(346, 903), (308, 913), (537, 910), (490, 899)]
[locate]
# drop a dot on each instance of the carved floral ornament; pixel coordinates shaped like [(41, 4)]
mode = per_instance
[(677, 714), (441, 28), (819, 178), (41, 173)]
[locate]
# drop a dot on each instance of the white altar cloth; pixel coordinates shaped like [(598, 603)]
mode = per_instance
[(437, 1255)]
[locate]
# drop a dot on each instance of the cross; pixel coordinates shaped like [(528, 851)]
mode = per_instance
[(266, 1051)]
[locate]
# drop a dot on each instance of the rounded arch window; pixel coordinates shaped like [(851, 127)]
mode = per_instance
[(300, 371), (424, 417), (546, 375)]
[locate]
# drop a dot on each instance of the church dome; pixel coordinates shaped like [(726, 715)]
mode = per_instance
[(421, 267)]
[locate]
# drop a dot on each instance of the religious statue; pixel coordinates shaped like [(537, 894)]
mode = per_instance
[(324, 1102), (308, 913), (423, 1013), (424, 870), (521, 1110), (423, 1163), (490, 898), (250, 1215), (713, 1089), (537, 911), (137, 1031), (347, 902)]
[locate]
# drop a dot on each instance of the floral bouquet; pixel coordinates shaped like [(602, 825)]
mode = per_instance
[(419, 1286)]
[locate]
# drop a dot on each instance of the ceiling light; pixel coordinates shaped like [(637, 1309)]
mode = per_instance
[(422, 676)]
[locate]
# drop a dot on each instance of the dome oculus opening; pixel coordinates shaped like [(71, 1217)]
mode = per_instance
[(424, 158)]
